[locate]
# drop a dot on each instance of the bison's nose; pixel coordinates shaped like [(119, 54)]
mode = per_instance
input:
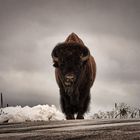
[(70, 77)]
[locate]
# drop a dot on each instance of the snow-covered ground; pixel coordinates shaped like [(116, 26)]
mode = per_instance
[(46, 113), (36, 113)]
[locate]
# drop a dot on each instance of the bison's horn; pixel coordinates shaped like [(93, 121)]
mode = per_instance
[(55, 58), (84, 58), (73, 38), (85, 54)]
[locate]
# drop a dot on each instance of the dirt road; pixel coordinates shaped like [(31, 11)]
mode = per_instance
[(72, 130)]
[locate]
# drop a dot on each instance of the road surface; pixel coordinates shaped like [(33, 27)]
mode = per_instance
[(72, 130)]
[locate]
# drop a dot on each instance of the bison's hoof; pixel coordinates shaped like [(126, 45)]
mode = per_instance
[(79, 117), (70, 117)]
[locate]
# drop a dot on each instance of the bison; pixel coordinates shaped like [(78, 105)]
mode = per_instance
[(75, 71)]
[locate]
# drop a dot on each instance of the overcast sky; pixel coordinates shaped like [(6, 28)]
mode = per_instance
[(29, 30)]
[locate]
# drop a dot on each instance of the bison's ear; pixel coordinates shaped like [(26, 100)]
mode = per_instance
[(85, 54), (54, 55)]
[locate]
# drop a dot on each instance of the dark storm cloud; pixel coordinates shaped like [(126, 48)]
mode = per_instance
[(30, 29)]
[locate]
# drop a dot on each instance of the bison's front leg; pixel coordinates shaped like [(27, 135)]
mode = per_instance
[(83, 104), (66, 107)]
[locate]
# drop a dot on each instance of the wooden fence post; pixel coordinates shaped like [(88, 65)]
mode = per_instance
[(1, 101)]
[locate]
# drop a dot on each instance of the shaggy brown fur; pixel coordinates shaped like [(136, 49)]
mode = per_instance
[(73, 57)]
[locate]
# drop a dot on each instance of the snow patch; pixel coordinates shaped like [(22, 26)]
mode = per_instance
[(36, 113)]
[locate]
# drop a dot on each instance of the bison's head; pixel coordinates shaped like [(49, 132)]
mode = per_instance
[(70, 58)]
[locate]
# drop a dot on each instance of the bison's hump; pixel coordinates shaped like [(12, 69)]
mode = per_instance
[(73, 38)]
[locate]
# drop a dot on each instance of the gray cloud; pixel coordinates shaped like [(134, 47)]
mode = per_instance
[(30, 29)]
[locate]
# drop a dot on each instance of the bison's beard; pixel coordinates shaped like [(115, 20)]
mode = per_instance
[(69, 88), (71, 92)]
